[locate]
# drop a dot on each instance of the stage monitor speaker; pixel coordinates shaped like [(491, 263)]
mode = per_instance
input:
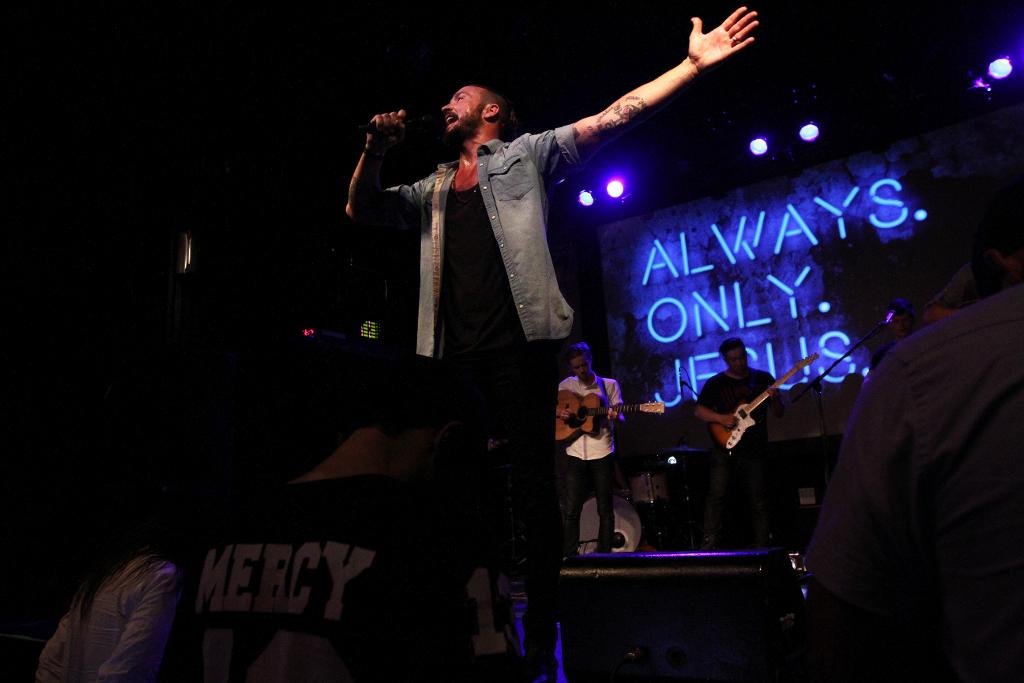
[(720, 616)]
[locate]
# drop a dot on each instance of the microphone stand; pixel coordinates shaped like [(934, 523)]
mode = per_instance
[(816, 385)]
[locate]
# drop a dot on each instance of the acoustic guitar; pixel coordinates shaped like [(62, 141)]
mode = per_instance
[(728, 438), (586, 411)]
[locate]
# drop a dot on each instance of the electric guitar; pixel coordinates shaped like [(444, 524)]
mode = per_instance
[(584, 410), (728, 438)]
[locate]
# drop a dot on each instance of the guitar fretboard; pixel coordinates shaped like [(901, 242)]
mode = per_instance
[(622, 408), (779, 382)]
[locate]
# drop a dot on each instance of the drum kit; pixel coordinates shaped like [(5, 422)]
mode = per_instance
[(655, 513), (627, 534), (651, 516)]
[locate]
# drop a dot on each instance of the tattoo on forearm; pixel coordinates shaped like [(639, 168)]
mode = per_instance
[(619, 114)]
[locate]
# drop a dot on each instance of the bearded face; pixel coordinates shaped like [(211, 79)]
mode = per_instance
[(465, 127)]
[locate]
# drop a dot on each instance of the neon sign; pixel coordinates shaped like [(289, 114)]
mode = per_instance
[(758, 275), (798, 264)]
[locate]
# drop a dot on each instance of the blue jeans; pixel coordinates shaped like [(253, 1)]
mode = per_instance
[(600, 473)]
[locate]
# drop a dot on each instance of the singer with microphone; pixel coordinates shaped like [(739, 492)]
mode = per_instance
[(489, 300)]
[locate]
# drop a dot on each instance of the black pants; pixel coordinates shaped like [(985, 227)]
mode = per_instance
[(600, 473), (751, 470), (519, 387)]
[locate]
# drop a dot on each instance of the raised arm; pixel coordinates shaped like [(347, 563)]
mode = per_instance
[(706, 50), (364, 187)]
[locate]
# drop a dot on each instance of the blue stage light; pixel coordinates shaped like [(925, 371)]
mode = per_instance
[(615, 188), (586, 198), (1000, 68), (809, 132), (758, 146)]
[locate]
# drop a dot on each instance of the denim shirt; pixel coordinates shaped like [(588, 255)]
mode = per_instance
[(515, 178)]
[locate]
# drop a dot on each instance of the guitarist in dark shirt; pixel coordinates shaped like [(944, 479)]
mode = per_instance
[(719, 397)]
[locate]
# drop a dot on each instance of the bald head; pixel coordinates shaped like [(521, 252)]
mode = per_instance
[(477, 109)]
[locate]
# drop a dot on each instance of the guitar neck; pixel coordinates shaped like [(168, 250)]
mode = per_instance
[(621, 408), (763, 396)]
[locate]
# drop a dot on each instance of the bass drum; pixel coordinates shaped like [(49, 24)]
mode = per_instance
[(649, 487), (627, 526)]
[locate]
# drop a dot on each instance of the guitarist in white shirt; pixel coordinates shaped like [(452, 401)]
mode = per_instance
[(590, 455), (718, 400)]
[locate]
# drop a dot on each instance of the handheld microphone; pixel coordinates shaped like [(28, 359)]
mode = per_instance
[(421, 123)]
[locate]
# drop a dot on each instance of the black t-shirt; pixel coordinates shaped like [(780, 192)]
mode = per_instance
[(362, 578), (477, 308), (723, 394)]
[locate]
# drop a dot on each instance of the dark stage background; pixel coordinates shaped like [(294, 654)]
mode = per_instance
[(131, 130)]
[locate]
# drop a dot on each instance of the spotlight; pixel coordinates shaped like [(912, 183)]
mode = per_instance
[(1000, 68), (808, 132), (758, 146), (586, 198), (615, 188)]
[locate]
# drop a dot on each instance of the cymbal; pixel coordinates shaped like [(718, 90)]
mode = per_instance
[(679, 452), (683, 450)]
